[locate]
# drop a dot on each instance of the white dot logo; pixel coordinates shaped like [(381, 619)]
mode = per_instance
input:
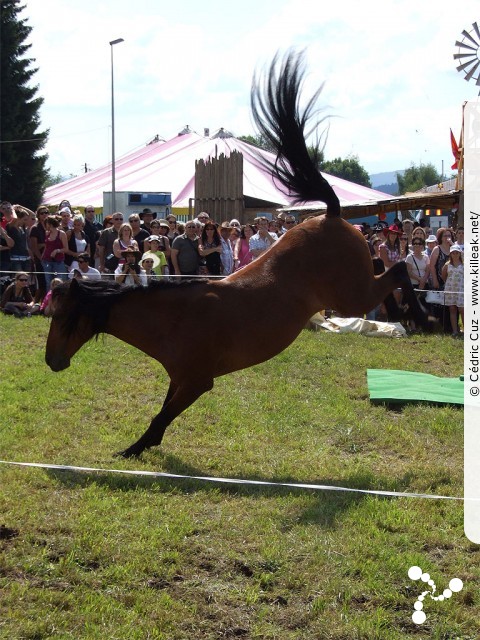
[(415, 573)]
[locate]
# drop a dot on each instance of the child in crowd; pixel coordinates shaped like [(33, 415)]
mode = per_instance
[(148, 262), (45, 307), (160, 268), (452, 274)]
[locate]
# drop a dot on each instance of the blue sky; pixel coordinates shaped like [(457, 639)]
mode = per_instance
[(390, 78)]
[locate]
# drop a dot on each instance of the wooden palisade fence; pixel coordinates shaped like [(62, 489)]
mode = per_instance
[(219, 187)]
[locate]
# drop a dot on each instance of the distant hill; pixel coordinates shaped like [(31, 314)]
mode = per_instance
[(386, 181), (386, 177), (391, 188)]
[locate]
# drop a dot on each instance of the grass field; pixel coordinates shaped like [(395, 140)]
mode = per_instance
[(104, 555)]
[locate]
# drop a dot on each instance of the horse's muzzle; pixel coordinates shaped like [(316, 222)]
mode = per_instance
[(57, 363)]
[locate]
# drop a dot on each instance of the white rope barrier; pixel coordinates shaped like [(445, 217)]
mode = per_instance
[(235, 481), (173, 276), (111, 274)]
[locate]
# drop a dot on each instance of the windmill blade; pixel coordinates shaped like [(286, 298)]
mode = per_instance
[(472, 71), (467, 35), (463, 66), (465, 46), (456, 56), (467, 55)]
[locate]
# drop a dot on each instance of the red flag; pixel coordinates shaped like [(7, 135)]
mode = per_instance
[(455, 150)]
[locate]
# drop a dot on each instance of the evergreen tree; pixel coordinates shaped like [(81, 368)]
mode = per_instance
[(22, 168)]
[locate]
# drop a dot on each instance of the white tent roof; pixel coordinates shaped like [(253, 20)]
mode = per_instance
[(170, 166)]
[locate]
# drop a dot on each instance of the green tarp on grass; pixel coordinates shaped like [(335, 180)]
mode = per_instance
[(390, 385)]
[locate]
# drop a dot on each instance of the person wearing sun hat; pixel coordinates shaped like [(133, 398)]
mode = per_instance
[(149, 262), (431, 242), (159, 228), (130, 272), (390, 248)]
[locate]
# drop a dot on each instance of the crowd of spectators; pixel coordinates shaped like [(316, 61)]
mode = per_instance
[(40, 249), (427, 257)]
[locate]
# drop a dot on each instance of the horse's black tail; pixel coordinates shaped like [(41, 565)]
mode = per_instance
[(278, 117)]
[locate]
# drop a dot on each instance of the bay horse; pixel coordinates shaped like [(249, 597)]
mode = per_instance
[(322, 263)]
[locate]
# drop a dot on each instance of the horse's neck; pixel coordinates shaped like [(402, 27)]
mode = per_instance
[(128, 324)]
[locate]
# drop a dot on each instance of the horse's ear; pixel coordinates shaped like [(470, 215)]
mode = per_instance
[(73, 285)]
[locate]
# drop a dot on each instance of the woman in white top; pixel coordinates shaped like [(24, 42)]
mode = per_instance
[(77, 242), (124, 241), (418, 263)]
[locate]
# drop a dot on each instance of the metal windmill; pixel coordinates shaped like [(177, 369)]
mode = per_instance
[(468, 54)]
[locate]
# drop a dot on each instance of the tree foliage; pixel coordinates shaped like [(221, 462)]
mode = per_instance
[(257, 141), (417, 177), (22, 168), (347, 168)]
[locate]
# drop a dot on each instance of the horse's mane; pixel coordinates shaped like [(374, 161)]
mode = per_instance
[(95, 299), (278, 117)]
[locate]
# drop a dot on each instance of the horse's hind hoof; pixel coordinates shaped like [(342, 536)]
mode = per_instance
[(131, 452), (432, 325)]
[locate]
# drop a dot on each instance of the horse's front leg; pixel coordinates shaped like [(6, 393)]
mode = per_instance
[(178, 398)]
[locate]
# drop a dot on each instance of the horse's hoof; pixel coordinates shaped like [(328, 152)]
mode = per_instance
[(131, 452), (432, 325)]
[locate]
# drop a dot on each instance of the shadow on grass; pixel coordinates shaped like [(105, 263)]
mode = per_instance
[(324, 509)]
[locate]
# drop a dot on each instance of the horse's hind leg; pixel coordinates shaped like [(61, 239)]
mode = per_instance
[(171, 390), (179, 397), (396, 277)]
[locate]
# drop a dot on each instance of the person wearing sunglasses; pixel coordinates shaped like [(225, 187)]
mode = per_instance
[(17, 299), (83, 270), (108, 262), (288, 224), (418, 264), (139, 233), (92, 230), (210, 249), (202, 217), (172, 228)]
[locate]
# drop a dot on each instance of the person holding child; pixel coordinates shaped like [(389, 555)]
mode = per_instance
[(130, 272)]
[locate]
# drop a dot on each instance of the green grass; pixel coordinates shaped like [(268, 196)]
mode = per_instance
[(114, 556)]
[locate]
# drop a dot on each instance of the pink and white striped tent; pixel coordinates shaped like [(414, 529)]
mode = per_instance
[(170, 166)]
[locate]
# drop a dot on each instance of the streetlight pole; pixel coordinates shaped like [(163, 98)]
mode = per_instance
[(113, 42)]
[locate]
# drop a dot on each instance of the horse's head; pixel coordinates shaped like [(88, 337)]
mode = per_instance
[(70, 328)]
